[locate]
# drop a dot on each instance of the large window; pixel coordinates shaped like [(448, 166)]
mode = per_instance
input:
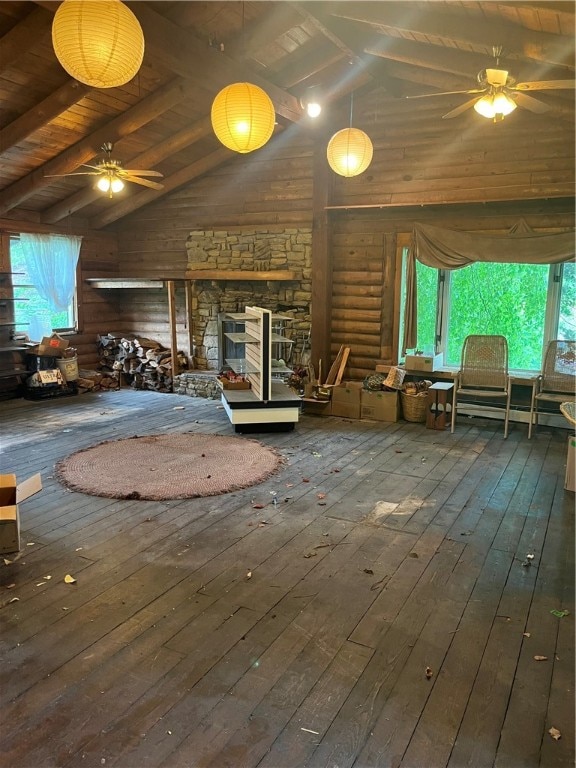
[(529, 304)]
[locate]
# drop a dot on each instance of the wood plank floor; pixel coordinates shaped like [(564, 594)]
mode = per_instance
[(391, 549)]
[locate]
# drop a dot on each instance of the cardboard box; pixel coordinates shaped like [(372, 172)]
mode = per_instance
[(379, 406), (570, 480), (52, 345), (427, 363), (346, 400), (227, 384), (10, 496)]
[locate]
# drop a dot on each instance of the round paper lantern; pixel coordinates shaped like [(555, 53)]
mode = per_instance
[(98, 42), (243, 117), (349, 152)]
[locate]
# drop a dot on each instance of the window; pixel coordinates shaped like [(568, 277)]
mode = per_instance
[(33, 314), (529, 304)]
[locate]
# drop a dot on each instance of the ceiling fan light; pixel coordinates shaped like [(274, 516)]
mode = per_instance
[(103, 184), (243, 117), (98, 42), (485, 107), (116, 185), (349, 152), (503, 104)]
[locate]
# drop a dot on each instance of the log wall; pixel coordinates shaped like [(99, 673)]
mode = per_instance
[(463, 173)]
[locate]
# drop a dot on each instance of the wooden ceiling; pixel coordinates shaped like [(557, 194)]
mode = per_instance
[(50, 124)]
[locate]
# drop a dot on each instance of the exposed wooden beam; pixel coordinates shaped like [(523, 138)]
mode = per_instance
[(181, 52), (140, 114), (191, 172), (24, 36), (145, 160), (429, 57), (476, 30), (43, 113)]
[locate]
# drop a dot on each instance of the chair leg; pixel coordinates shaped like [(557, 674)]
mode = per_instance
[(453, 422), (507, 414), (532, 407)]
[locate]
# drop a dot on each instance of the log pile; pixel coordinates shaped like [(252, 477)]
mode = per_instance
[(139, 362)]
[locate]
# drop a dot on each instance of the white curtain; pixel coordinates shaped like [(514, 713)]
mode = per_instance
[(51, 261)]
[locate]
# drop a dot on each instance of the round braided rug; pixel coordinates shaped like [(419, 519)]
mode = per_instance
[(177, 466)]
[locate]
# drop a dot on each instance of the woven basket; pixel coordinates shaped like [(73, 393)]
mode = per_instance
[(414, 406)]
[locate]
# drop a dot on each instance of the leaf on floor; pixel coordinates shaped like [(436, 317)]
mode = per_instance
[(321, 495), (560, 614), (310, 554), (555, 733), (69, 579), (429, 673), (369, 571), (540, 658), (248, 574)]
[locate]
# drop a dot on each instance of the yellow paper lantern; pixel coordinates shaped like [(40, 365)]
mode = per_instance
[(349, 152), (98, 42), (243, 117)]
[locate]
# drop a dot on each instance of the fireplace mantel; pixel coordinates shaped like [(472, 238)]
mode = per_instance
[(238, 274)]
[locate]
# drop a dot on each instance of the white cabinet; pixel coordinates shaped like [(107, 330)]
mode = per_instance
[(269, 401)]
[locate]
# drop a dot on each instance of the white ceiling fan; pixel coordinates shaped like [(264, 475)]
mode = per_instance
[(111, 175), (498, 93)]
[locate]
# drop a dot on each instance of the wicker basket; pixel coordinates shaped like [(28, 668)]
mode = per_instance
[(414, 406)]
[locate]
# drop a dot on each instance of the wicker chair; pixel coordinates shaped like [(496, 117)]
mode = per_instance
[(483, 373), (557, 380)]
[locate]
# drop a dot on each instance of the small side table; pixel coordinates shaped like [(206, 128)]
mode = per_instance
[(438, 395)]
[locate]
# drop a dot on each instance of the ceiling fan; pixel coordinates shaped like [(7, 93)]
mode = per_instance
[(498, 93), (111, 175)]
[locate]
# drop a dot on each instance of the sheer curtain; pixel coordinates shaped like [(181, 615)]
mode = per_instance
[(51, 261), (455, 249)]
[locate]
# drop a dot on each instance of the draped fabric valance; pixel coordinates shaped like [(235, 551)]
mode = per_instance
[(451, 249)]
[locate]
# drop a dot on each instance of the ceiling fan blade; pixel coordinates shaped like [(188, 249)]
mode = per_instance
[(76, 173), (145, 182), (528, 102), (544, 85), (445, 93), (141, 173), (462, 108)]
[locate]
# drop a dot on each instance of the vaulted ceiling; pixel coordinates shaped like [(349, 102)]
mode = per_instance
[(51, 124)]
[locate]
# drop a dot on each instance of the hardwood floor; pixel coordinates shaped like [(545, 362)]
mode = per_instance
[(392, 550)]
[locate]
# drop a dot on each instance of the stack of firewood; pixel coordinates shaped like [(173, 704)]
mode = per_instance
[(140, 362)]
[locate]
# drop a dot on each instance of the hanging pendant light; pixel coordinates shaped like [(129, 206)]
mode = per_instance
[(98, 42), (243, 117), (350, 150)]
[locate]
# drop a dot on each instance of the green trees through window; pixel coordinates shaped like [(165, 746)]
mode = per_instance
[(528, 304)]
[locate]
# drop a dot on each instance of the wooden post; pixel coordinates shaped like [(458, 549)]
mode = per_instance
[(173, 338), (190, 289), (321, 309)]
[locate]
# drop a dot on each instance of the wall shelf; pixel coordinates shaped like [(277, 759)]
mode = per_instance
[(123, 282)]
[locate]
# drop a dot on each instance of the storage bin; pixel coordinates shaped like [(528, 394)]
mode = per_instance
[(68, 368)]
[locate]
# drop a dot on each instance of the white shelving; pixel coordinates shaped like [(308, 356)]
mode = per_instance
[(268, 401)]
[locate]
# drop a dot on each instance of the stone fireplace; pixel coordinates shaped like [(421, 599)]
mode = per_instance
[(270, 268)]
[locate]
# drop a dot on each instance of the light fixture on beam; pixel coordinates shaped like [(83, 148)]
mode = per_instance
[(98, 42), (495, 106), (310, 101), (350, 150), (243, 117)]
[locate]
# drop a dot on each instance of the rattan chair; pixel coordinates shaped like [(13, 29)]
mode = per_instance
[(557, 381), (483, 373)]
